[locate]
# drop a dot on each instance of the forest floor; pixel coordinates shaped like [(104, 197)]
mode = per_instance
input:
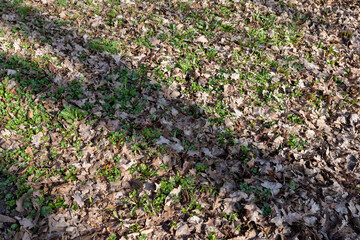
[(124, 119)]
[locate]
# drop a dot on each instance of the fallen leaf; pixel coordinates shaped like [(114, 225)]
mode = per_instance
[(20, 203), (310, 134), (11, 72), (36, 139), (273, 186), (6, 219), (154, 41), (26, 222), (202, 39), (29, 151), (163, 140), (78, 199), (183, 230), (30, 113), (278, 141)]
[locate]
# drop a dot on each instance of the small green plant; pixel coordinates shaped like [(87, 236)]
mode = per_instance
[(200, 167), (117, 138), (211, 235), (295, 119), (143, 170), (173, 224), (15, 227), (111, 16), (136, 202), (266, 210), (48, 207), (150, 133), (134, 228), (73, 91), (308, 57), (125, 97), (143, 42), (61, 3), (111, 173), (72, 113), (292, 185), (104, 45), (142, 236), (111, 237), (262, 194), (225, 137), (71, 174), (294, 143), (211, 53), (23, 10), (231, 216)]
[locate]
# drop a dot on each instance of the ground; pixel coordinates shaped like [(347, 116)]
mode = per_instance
[(179, 119)]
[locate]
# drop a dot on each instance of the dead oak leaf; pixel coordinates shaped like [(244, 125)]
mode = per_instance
[(154, 41), (6, 219), (278, 141), (26, 222), (78, 199), (310, 134), (273, 186), (253, 213), (36, 139), (85, 131), (29, 151), (202, 39)]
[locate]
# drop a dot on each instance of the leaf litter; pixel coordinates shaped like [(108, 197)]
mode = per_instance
[(179, 119)]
